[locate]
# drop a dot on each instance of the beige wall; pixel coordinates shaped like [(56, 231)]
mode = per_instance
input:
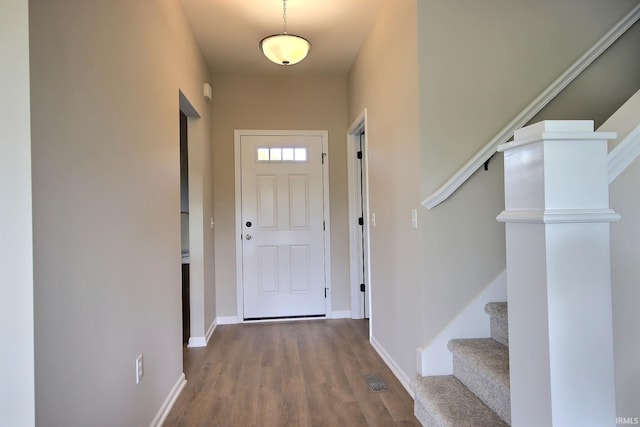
[(384, 79), (105, 138), (480, 64), (603, 87), (17, 407), (279, 101)]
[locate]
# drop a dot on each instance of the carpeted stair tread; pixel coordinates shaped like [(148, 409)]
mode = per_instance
[(486, 355), (482, 365), (497, 310), (443, 401)]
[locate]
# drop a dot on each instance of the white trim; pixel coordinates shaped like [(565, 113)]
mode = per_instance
[(238, 133), (238, 228), (354, 264), (358, 125), (203, 341), (195, 342), (212, 328), (550, 136), (558, 216), (196, 232), (624, 154), (341, 314), (168, 403), (388, 360), (455, 181), (285, 319), (228, 320), (327, 221)]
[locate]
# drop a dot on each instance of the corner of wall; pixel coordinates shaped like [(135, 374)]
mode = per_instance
[(472, 322)]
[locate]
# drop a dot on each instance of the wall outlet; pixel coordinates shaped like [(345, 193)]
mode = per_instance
[(139, 368)]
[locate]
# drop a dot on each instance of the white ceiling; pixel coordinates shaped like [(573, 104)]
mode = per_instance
[(229, 31)]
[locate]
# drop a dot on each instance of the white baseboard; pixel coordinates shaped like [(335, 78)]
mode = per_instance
[(212, 328), (166, 406), (197, 342), (233, 320), (227, 320), (342, 314), (400, 375), (203, 341)]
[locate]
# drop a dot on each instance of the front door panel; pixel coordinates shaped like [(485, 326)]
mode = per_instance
[(282, 223)]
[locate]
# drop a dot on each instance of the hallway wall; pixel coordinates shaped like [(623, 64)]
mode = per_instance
[(384, 80), (105, 87), (278, 101)]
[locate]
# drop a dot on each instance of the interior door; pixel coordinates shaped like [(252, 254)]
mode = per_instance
[(282, 226), (362, 235)]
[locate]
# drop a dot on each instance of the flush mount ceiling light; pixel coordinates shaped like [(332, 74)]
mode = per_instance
[(285, 48)]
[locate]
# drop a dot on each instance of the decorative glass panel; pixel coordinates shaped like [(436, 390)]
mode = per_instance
[(301, 155), (287, 154), (276, 154), (282, 154), (263, 154)]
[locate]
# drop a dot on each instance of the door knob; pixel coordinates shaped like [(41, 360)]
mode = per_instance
[(248, 237)]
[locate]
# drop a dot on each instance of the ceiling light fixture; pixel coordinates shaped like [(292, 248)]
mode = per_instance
[(285, 48)]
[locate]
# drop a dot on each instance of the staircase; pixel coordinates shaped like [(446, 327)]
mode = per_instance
[(477, 394)]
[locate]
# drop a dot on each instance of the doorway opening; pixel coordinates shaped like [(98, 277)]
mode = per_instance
[(191, 224), (359, 220), (184, 228)]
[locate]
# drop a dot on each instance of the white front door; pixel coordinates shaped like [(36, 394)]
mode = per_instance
[(282, 223)]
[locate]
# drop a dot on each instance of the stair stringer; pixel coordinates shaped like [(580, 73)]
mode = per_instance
[(435, 358)]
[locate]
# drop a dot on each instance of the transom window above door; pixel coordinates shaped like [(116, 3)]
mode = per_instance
[(281, 154)]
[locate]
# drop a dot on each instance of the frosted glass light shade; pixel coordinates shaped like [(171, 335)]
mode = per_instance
[(285, 49)]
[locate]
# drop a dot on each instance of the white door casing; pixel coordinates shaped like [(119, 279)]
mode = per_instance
[(282, 224), (359, 236)]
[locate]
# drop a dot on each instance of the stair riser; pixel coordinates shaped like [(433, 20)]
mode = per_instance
[(422, 414), (499, 330), (495, 396), (499, 321)]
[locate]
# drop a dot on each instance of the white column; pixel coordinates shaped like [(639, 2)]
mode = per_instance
[(558, 275), (17, 372)]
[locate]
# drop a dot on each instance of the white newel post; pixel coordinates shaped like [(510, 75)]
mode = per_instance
[(558, 275)]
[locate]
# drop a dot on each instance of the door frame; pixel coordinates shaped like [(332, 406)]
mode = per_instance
[(197, 324), (238, 134), (355, 265)]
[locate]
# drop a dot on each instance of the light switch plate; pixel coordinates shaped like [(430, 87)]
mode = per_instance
[(139, 368)]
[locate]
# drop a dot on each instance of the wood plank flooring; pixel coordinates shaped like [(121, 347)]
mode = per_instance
[(304, 373)]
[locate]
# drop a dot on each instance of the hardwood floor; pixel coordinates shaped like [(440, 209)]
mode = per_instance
[(305, 373)]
